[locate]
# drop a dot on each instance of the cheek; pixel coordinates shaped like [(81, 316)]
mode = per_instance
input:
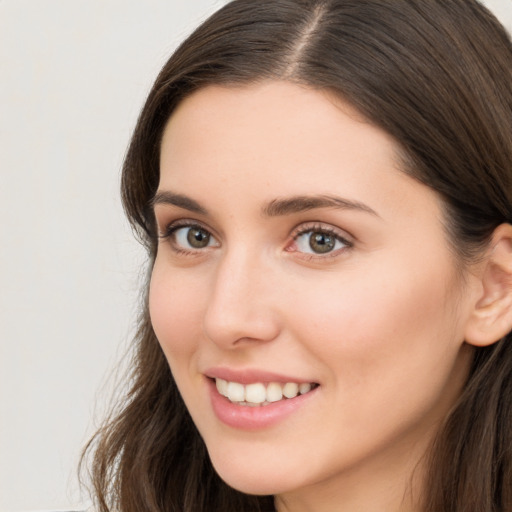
[(373, 323), (175, 308), (388, 350)]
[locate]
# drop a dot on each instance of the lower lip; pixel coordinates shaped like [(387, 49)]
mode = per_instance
[(253, 418)]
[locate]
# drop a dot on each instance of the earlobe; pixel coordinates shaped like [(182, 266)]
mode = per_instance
[(491, 318)]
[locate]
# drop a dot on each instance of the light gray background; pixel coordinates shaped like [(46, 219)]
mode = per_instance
[(73, 76)]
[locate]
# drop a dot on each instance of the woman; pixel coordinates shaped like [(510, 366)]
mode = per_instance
[(324, 188)]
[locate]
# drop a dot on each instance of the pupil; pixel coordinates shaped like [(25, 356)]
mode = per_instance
[(321, 242), (198, 238)]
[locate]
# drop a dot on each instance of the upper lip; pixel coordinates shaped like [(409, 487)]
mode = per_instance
[(251, 376)]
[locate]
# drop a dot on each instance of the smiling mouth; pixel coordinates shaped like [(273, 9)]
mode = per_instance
[(259, 394)]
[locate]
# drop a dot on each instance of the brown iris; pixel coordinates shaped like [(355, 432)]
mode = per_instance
[(322, 242), (198, 238)]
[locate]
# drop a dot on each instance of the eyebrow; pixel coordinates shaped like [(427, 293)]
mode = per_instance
[(275, 208), (179, 200), (299, 204)]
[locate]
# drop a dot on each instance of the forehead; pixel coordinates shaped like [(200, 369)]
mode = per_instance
[(276, 126)]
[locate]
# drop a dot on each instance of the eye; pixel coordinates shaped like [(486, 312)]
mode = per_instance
[(190, 238), (319, 241)]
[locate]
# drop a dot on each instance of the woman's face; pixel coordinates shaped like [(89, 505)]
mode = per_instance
[(294, 254)]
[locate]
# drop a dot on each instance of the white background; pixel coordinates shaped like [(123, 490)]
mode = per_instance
[(73, 76)]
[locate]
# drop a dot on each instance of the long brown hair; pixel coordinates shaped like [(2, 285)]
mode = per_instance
[(436, 75)]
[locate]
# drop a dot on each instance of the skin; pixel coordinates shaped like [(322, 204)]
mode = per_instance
[(378, 322)]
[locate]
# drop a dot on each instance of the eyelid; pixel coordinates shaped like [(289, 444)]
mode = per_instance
[(172, 226), (169, 235), (311, 227), (305, 227)]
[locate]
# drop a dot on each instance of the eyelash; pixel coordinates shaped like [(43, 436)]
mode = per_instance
[(170, 235), (171, 230), (304, 229)]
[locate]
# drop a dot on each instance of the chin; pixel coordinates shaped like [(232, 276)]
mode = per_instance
[(248, 479), (256, 486)]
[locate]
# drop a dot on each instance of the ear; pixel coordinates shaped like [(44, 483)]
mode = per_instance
[(491, 317)]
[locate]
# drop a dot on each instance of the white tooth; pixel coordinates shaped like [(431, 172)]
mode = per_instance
[(274, 392), (304, 388), (236, 392), (250, 404), (222, 386), (255, 393), (291, 390)]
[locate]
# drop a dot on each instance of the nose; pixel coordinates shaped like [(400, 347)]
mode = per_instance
[(240, 309)]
